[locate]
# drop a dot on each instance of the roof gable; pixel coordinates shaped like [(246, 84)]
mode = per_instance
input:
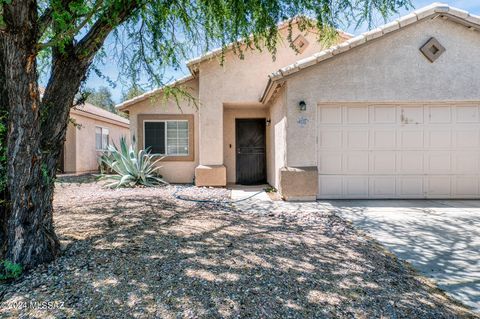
[(436, 9), (90, 109)]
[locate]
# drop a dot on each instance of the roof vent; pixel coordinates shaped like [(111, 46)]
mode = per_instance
[(300, 43), (432, 50)]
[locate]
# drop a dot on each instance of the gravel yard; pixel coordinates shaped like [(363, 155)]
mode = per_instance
[(142, 253)]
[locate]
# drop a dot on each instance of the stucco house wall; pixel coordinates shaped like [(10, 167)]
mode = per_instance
[(391, 68), (238, 81), (276, 138), (80, 153), (178, 171), (70, 150)]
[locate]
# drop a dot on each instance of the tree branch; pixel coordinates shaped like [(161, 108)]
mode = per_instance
[(114, 16), (44, 21), (74, 31)]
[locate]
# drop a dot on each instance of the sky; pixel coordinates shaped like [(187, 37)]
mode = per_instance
[(109, 69)]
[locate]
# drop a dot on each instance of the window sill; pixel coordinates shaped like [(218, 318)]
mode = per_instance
[(177, 158)]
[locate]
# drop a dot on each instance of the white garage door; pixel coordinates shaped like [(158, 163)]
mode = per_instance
[(398, 150)]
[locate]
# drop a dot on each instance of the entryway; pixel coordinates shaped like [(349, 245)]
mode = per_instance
[(250, 141)]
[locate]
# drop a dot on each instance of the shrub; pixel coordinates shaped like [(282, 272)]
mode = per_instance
[(9, 270), (128, 168)]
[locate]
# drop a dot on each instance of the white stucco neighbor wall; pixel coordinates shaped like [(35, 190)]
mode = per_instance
[(391, 68)]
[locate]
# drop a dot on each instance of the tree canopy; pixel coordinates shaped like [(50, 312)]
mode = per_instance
[(101, 97), (149, 36), (132, 92)]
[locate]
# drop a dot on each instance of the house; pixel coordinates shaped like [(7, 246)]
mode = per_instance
[(89, 132), (391, 113)]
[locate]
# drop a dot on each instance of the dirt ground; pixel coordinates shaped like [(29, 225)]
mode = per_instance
[(142, 253)]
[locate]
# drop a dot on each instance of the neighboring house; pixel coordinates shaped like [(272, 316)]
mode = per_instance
[(90, 131), (392, 113)]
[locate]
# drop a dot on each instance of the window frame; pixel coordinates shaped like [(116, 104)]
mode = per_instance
[(166, 136), (192, 142), (102, 129)]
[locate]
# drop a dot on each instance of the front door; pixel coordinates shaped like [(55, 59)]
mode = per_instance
[(250, 147)]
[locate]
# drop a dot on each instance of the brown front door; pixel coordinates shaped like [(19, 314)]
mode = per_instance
[(250, 149)]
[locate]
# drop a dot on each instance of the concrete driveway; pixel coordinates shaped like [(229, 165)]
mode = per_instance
[(441, 238)]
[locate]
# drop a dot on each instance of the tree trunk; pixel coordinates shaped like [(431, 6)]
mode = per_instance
[(29, 238), (4, 196), (37, 128)]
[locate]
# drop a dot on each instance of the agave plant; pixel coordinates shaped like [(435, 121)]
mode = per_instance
[(128, 168)]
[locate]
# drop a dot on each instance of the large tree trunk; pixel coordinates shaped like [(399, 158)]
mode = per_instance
[(29, 238), (4, 196)]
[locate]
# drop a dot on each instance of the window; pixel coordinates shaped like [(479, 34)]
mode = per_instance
[(101, 138), (167, 137)]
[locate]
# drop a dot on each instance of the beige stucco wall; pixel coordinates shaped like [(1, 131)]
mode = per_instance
[(390, 68), (230, 114), (80, 154), (172, 171), (276, 133), (70, 150), (239, 82)]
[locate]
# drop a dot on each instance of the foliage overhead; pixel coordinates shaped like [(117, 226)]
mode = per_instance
[(150, 36), (101, 97), (131, 168), (132, 92)]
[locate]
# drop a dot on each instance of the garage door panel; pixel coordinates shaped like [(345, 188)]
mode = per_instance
[(356, 186), (438, 186), (330, 162), (384, 138), (383, 114), (411, 139), (423, 150), (331, 186), (357, 138), (330, 115), (467, 114), (410, 162), (330, 139), (383, 162), (467, 138), (356, 115), (382, 187), (356, 162), (440, 114), (439, 162), (412, 115), (466, 186), (466, 162), (410, 186), (439, 138)]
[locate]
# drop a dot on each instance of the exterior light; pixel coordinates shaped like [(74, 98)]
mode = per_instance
[(268, 121), (302, 106)]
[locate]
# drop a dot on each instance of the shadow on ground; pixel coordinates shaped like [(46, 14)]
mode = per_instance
[(149, 256), (440, 238)]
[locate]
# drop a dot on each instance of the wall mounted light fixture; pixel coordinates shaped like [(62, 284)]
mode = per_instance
[(268, 122), (302, 106)]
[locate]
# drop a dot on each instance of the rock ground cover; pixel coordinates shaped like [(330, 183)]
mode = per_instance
[(142, 253)]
